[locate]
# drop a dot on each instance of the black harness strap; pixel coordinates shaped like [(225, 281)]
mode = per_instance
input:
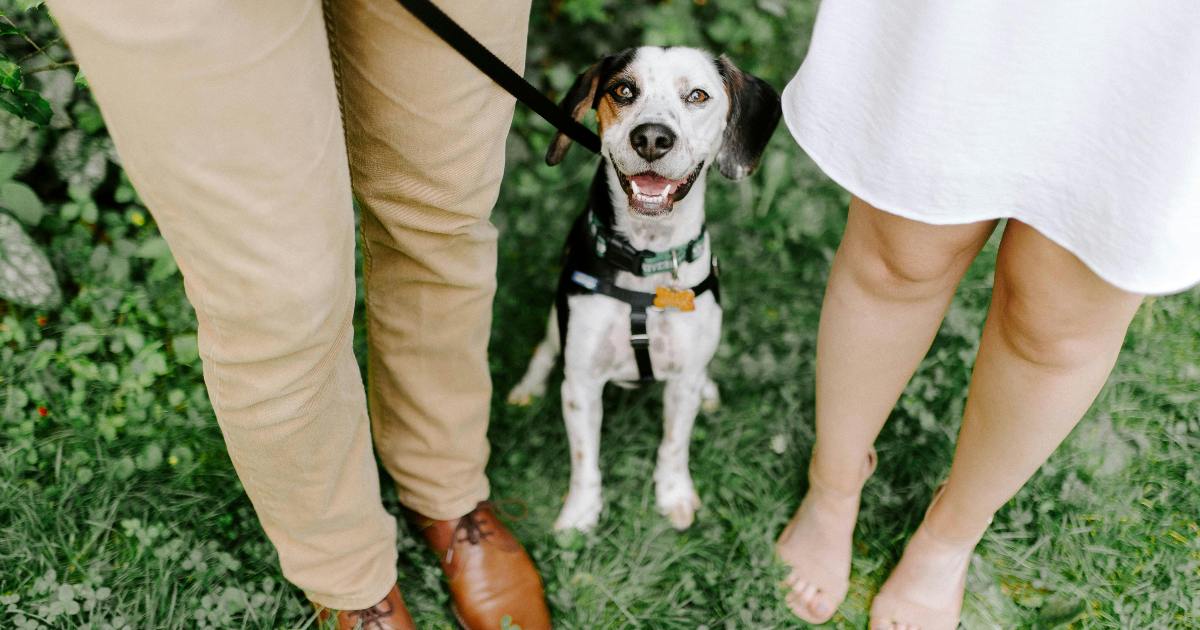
[(640, 340), (491, 65), (574, 282)]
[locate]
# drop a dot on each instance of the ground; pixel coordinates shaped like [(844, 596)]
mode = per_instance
[(119, 507)]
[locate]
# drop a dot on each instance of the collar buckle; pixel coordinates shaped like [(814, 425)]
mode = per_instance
[(624, 256)]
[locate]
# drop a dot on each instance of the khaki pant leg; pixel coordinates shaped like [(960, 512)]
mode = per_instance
[(226, 118), (426, 134)]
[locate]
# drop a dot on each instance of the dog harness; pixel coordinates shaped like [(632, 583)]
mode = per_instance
[(593, 256)]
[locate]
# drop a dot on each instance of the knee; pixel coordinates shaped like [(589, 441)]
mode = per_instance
[(1047, 337), (907, 276), (449, 194), (280, 315)]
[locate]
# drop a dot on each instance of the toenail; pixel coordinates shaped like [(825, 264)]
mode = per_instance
[(822, 608)]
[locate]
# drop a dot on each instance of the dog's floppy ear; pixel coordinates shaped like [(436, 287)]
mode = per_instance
[(582, 96), (754, 112)]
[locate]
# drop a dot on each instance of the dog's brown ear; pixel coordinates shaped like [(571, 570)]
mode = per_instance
[(577, 101), (754, 112), (584, 95)]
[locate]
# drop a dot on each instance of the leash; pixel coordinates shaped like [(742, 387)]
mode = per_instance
[(606, 248), (450, 32)]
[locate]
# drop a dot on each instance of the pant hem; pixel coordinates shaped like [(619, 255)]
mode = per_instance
[(366, 599), (445, 511)]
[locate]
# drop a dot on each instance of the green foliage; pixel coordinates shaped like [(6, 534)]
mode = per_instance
[(26, 277), (119, 507), (16, 96)]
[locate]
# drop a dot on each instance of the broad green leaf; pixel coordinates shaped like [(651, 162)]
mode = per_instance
[(154, 247), (20, 199), (27, 104), (10, 74), (10, 163), (26, 276), (150, 458), (89, 212), (186, 350), (134, 339), (69, 211), (81, 339)]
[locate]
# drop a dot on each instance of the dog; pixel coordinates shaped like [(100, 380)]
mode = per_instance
[(638, 299)]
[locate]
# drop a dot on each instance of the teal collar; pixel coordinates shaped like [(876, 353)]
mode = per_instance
[(613, 248)]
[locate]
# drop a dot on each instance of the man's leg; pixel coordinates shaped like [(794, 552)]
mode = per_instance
[(226, 119), (426, 134)]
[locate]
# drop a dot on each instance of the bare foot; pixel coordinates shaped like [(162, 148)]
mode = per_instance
[(925, 590), (816, 546)]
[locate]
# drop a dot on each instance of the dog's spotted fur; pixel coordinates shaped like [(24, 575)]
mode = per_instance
[(730, 128)]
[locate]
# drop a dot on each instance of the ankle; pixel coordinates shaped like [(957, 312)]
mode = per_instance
[(842, 477), (954, 528)]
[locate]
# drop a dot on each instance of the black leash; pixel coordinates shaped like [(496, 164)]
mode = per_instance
[(479, 56)]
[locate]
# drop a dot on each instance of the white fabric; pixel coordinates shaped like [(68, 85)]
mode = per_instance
[(1081, 119)]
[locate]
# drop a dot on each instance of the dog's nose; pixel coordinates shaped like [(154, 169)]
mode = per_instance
[(652, 140)]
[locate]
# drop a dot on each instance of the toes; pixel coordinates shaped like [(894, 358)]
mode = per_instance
[(796, 603), (820, 606), (808, 602), (792, 580), (807, 595)]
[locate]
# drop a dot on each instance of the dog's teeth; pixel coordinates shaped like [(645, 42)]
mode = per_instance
[(636, 190)]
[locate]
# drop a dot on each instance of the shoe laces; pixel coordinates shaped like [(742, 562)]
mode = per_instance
[(470, 527), (372, 618)]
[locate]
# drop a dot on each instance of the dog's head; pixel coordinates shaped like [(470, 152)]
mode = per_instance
[(667, 113)]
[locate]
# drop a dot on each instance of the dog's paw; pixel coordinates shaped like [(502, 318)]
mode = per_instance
[(581, 512), (710, 397), (677, 500), (523, 395)]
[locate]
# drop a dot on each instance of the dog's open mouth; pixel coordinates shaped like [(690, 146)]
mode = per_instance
[(651, 194)]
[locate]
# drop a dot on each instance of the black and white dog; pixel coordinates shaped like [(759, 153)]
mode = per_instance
[(638, 298)]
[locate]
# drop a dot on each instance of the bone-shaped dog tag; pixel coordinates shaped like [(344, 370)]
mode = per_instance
[(682, 299)]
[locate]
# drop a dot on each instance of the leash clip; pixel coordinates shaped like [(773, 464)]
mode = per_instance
[(674, 265)]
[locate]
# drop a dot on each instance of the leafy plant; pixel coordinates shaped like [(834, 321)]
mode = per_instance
[(16, 96), (26, 276)]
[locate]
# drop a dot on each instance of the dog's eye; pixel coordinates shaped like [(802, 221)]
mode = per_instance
[(623, 92), (697, 96)]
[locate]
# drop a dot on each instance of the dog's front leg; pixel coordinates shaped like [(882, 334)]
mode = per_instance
[(675, 495), (582, 413)]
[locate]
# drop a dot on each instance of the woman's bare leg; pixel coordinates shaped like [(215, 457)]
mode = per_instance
[(1053, 333), (891, 281)]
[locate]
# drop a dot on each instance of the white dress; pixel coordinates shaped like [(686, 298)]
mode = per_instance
[(1081, 119)]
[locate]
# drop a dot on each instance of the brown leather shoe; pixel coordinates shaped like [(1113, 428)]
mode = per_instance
[(389, 614), (491, 576)]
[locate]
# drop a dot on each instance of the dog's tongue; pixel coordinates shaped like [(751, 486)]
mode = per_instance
[(651, 184)]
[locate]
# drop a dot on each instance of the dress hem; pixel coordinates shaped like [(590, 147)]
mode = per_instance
[(855, 188)]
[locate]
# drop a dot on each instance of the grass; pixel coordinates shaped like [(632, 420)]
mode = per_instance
[(1105, 536)]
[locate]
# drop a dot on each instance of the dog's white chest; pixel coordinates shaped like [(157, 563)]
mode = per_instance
[(598, 338)]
